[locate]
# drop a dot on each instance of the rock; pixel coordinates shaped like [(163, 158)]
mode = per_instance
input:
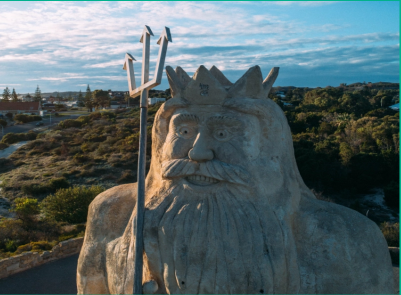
[(395, 255), (45, 255)]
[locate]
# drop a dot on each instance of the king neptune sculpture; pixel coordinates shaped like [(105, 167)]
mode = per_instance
[(226, 208)]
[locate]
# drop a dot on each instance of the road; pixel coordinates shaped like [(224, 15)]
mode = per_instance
[(32, 125), (59, 277), (56, 277)]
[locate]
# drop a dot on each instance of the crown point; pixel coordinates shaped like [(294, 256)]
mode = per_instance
[(204, 89)]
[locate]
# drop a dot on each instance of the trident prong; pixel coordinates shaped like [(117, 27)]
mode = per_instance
[(143, 90), (163, 40)]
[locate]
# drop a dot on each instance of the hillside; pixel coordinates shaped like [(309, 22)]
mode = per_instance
[(346, 144)]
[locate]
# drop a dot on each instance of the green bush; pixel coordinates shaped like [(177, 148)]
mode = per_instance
[(108, 115), (70, 123), (27, 118), (36, 246), (42, 188), (3, 122), (11, 137), (71, 204), (58, 183), (35, 189), (25, 208), (83, 119)]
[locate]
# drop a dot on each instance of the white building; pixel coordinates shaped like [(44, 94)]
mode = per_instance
[(153, 100)]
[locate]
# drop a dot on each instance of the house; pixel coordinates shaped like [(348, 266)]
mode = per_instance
[(17, 107), (117, 105), (280, 94), (153, 100)]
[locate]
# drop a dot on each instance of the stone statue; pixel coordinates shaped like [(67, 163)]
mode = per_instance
[(226, 208)]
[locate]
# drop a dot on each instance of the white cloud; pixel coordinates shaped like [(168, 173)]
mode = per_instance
[(302, 3)]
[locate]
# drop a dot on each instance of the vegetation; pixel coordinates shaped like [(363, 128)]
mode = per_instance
[(392, 233), (345, 143), (88, 99), (344, 140), (38, 94), (101, 99), (11, 137), (6, 94), (71, 204), (14, 95), (21, 118)]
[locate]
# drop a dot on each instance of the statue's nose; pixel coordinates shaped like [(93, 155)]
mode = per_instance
[(201, 152)]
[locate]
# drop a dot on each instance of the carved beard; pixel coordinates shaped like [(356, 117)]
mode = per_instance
[(217, 243)]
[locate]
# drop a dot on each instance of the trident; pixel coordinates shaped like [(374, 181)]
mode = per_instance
[(143, 91)]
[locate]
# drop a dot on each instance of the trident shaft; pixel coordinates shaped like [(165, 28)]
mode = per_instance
[(143, 91)]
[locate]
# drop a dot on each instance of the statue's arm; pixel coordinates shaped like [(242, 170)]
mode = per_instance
[(108, 216)]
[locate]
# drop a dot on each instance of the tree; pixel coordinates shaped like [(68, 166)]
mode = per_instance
[(6, 94), (28, 97), (88, 99), (38, 94), (101, 98), (81, 102), (58, 97), (14, 96)]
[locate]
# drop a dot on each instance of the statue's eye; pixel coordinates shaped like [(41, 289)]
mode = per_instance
[(221, 134), (186, 132)]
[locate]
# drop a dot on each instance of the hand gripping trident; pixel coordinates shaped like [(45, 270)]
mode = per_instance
[(143, 90)]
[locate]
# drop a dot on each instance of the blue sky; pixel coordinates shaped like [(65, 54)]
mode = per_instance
[(63, 46)]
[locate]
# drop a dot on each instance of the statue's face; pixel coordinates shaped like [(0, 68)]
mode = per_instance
[(212, 139)]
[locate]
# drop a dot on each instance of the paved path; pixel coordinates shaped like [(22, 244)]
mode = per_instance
[(56, 277), (12, 148)]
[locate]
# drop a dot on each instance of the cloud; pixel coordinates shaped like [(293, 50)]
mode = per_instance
[(65, 43), (302, 3)]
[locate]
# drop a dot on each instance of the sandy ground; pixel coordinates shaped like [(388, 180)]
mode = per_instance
[(12, 148)]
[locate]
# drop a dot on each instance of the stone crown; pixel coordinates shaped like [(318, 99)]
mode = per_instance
[(208, 87)]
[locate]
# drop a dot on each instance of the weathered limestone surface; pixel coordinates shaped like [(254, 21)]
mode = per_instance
[(226, 208), (24, 261)]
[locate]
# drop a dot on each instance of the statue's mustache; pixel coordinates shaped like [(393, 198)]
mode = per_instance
[(214, 169)]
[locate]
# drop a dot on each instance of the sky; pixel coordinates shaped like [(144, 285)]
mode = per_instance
[(64, 46)]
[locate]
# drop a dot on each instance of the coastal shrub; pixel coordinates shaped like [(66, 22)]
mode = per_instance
[(70, 204), (83, 119), (69, 123), (27, 118), (35, 189), (78, 158), (11, 137), (391, 232), (35, 246), (51, 186), (25, 208), (58, 183)]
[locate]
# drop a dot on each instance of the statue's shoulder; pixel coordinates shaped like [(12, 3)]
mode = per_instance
[(343, 248), (341, 223), (111, 210)]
